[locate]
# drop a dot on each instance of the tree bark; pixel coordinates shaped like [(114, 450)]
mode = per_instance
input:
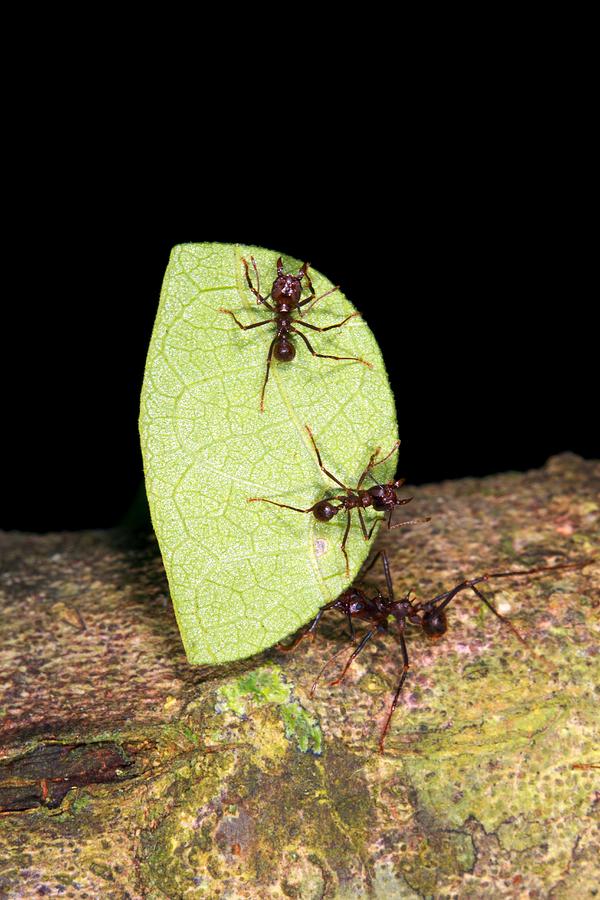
[(125, 772)]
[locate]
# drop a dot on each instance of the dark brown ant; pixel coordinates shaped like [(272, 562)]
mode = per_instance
[(381, 497), (285, 293), (430, 616)]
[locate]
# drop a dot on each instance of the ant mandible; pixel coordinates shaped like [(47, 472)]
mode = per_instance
[(285, 293), (381, 497), (430, 616)]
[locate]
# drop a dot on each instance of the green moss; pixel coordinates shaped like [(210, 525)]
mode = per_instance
[(260, 686), (180, 734), (302, 728), (79, 803), (265, 686)]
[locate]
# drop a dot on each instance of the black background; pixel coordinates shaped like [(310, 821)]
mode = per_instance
[(474, 275)]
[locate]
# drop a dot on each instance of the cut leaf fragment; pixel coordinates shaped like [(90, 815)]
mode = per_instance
[(244, 575)]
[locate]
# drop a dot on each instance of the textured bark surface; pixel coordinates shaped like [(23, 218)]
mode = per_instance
[(124, 772)]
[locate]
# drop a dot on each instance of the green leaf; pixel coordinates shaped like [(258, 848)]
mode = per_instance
[(244, 575)]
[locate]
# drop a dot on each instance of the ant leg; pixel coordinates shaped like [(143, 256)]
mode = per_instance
[(314, 299), (371, 465), (325, 666), (470, 585), (320, 461), (386, 570), (255, 267), (344, 539), (351, 627), (328, 327), (245, 327), (328, 355), (303, 273), (283, 505), (361, 519), (372, 529), (374, 560), (259, 298), (466, 585), (388, 577), (386, 457), (264, 387), (353, 656), (368, 468), (405, 668), (498, 615), (310, 631)]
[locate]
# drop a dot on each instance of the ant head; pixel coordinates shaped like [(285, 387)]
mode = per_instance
[(287, 288), (434, 622), (352, 602), (356, 604), (385, 497)]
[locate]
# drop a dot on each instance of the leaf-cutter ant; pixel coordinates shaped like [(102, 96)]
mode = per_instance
[(381, 497), (382, 611), (285, 294)]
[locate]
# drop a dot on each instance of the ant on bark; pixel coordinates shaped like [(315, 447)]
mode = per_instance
[(381, 497), (285, 294), (430, 616)]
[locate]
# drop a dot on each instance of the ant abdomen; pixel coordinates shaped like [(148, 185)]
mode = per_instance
[(324, 511), (284, 351), (434, 623)]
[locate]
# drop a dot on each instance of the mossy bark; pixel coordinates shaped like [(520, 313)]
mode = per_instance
[(124, 772)]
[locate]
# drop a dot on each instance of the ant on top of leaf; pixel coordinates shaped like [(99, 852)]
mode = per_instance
[(286, 293)]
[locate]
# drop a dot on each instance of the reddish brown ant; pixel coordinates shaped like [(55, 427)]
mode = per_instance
[(285, 293), (430, 616), (381, 497)]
